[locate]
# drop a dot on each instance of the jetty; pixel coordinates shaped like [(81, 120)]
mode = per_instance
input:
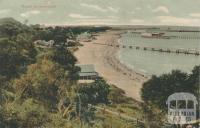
[(195, 52)]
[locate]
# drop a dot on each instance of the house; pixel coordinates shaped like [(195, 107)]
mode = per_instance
[(87, 72), (70, 42), (49, 43), (85, 37)]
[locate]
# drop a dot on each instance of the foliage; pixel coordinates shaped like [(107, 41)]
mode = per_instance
[(153, 116), (117, 96), (58, 34), (10, 57), (16, 47), (96, 92), (28, 114), (9, 27), (64, 58), (42, 80), (194, 80), (157, 89)]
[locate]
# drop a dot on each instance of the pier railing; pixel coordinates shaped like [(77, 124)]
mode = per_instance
[(157, 49)]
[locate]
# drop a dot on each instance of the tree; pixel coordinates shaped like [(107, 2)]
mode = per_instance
[(9, 27), (65, 59), (96, 92), (157, 89), (24, 42), (10, 57), (83, 110), (16, 47), (42, 82), (194, 79)]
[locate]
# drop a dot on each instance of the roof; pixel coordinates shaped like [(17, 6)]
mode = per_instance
[(87, 70), (86, 67), (88, 74)]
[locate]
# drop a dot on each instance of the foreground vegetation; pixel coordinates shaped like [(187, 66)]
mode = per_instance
[(38, 86)]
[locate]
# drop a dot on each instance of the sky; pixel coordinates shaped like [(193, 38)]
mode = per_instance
[(103, 12)]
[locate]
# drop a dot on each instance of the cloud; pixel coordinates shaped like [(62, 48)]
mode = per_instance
[(113, 17), (97, 21), (95, 7), (79, 16), (4, 11), (172, 20), (49, 12), (138, 8), (115, 10), (98, 8), (92, 20), (137, 21), (29, 13), (195, 15), (149, 6), (132, 12), (161, 9)]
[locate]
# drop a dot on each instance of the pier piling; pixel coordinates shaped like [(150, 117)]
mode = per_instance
[(166, 50)]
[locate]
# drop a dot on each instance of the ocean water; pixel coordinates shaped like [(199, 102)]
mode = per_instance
[(156, 63)]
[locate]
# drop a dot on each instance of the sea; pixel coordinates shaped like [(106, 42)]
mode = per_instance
[(154, 62)]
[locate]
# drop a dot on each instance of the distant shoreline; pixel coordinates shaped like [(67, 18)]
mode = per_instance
[(107, 64)]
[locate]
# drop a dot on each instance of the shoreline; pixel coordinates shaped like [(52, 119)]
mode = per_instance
[(114, 61), (107, 64)]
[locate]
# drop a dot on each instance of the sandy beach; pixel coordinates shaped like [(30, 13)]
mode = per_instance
[(108, 66)]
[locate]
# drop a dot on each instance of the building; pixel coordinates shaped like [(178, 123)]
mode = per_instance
[(85, 37), (49, 43), (87, 72)]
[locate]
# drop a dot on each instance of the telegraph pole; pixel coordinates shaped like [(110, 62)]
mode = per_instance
[(198, 93), (79, 106)]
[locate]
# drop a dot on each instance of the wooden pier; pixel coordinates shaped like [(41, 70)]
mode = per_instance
[(157, 49)]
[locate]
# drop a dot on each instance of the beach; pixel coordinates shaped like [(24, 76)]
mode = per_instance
[(104, 58)]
